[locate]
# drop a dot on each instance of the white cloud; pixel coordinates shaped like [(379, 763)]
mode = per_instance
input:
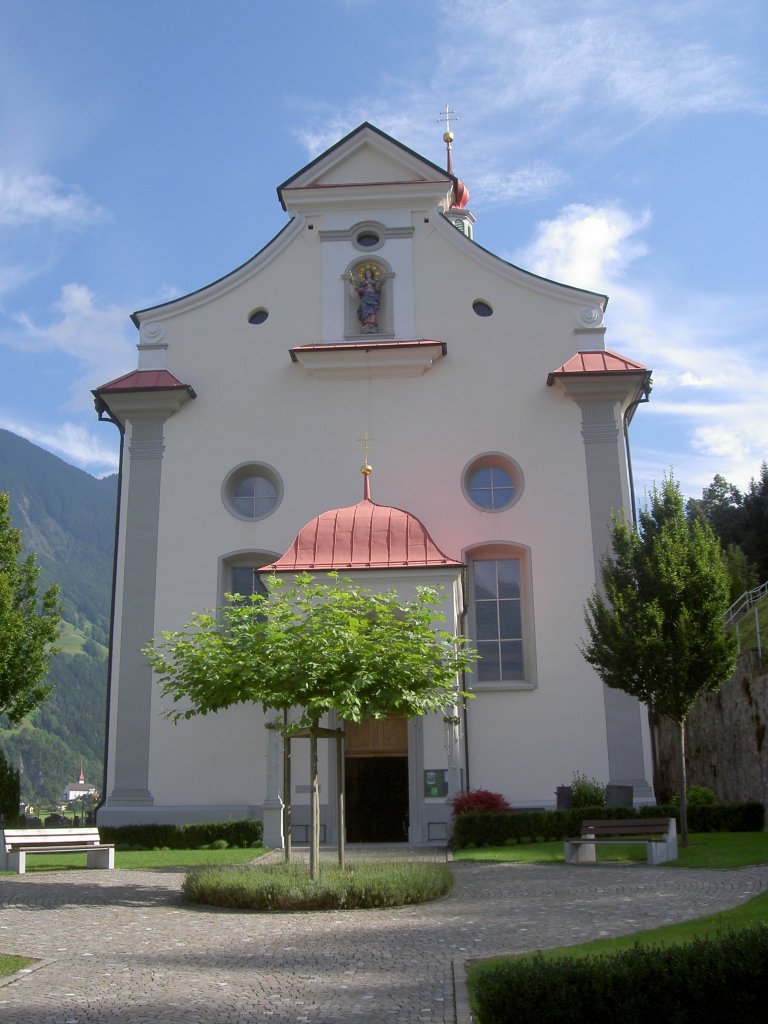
[(586, 246), (531, 181), (89, 450), (588, 73), (99, 340), (708, 353), (651, 61), (41, 197)]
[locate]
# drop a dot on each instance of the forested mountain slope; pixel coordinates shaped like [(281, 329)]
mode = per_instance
[(67, 519)]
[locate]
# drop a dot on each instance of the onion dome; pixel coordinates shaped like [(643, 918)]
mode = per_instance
[(459, 195), (362, 536)]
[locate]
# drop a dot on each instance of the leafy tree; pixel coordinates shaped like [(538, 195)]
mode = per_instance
[(740, 521), (742, 574), (10, 790), (755, 539), (720, 506), (317, 647), (656, 628), (28, 629)]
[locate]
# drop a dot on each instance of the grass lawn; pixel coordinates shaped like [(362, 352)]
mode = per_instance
[(705, 850), (146, 860), (747, 630), (11, 964)]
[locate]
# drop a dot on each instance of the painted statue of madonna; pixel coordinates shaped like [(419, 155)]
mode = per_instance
[(368, 289)]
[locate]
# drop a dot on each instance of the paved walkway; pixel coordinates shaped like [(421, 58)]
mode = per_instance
[(119, 946)]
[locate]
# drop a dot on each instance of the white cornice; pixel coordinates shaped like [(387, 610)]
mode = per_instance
[(225, 284), (369, 195), (496, 265)]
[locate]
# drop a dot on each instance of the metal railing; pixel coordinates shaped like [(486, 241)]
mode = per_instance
[(739, 610)]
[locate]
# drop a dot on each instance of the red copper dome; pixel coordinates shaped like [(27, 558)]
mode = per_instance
[(362, 536)]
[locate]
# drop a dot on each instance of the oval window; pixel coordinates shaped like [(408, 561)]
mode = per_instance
[(258, 316), (367, 239), (482, 308)]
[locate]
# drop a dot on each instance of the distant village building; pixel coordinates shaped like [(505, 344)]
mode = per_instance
[(77, 790), (499, 422)]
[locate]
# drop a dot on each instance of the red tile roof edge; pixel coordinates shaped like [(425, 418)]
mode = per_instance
[(346, 346), (145, 380), (596, 362)]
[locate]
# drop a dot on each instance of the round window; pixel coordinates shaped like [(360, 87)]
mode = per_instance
[(482, 308), (252, 491), (367, 239), (492, 482), (258, 316)]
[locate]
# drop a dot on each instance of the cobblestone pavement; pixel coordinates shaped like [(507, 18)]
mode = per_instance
[(119, 946)]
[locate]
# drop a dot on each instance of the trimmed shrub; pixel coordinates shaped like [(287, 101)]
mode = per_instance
[(479, 800), (698, 796), (288, 887), (484, 829), (586, 792), (710, 979), (240, 834)]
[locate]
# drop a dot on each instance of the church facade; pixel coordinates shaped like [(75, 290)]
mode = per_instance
[(497, 421)]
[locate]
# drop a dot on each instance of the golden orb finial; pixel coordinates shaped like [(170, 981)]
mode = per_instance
[(447, 136), (366, 469)]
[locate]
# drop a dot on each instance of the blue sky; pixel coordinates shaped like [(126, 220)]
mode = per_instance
[(617, 146)]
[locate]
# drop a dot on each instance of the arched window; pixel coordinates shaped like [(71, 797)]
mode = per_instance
[(239, 573), (501, 617)]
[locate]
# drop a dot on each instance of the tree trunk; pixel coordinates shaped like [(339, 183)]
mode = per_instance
[(683, 785), (340, 797), (286, 793), (314, 850)]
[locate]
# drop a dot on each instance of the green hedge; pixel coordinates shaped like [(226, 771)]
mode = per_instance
[(477, 828), (723, 979), (184, 837)]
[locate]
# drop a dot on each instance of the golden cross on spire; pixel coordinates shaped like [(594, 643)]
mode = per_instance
[(366, 443), (448, 115)]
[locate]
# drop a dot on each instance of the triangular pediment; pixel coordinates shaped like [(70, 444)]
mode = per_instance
[(366, 159)]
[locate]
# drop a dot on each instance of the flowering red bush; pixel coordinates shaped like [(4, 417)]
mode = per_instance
[(479, 800)]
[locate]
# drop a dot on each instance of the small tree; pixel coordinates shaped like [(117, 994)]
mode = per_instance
[(317, 647), (656, 629), (28, 629)]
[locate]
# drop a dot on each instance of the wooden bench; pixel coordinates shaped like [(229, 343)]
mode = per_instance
[(659, 835), (18, 842)]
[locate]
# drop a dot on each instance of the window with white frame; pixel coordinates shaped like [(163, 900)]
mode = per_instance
[(501, 618)]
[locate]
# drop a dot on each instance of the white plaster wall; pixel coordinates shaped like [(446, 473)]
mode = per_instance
[(488, 394)]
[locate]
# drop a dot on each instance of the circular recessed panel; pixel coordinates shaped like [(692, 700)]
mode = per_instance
[(252, 491), (258, 316), (492, 482), (482, 308)]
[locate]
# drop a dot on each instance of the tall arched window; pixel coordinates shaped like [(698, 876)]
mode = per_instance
[(501, 617), (239, 573)]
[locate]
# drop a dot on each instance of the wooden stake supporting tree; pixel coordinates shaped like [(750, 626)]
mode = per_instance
[(310, 648)]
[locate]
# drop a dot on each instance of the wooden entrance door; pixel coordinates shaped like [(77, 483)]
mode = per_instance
[(376, 780)]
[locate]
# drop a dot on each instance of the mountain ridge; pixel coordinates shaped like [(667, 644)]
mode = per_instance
[(67, 519)]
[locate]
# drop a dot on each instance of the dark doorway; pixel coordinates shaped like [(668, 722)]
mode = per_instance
[(376, 804)]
